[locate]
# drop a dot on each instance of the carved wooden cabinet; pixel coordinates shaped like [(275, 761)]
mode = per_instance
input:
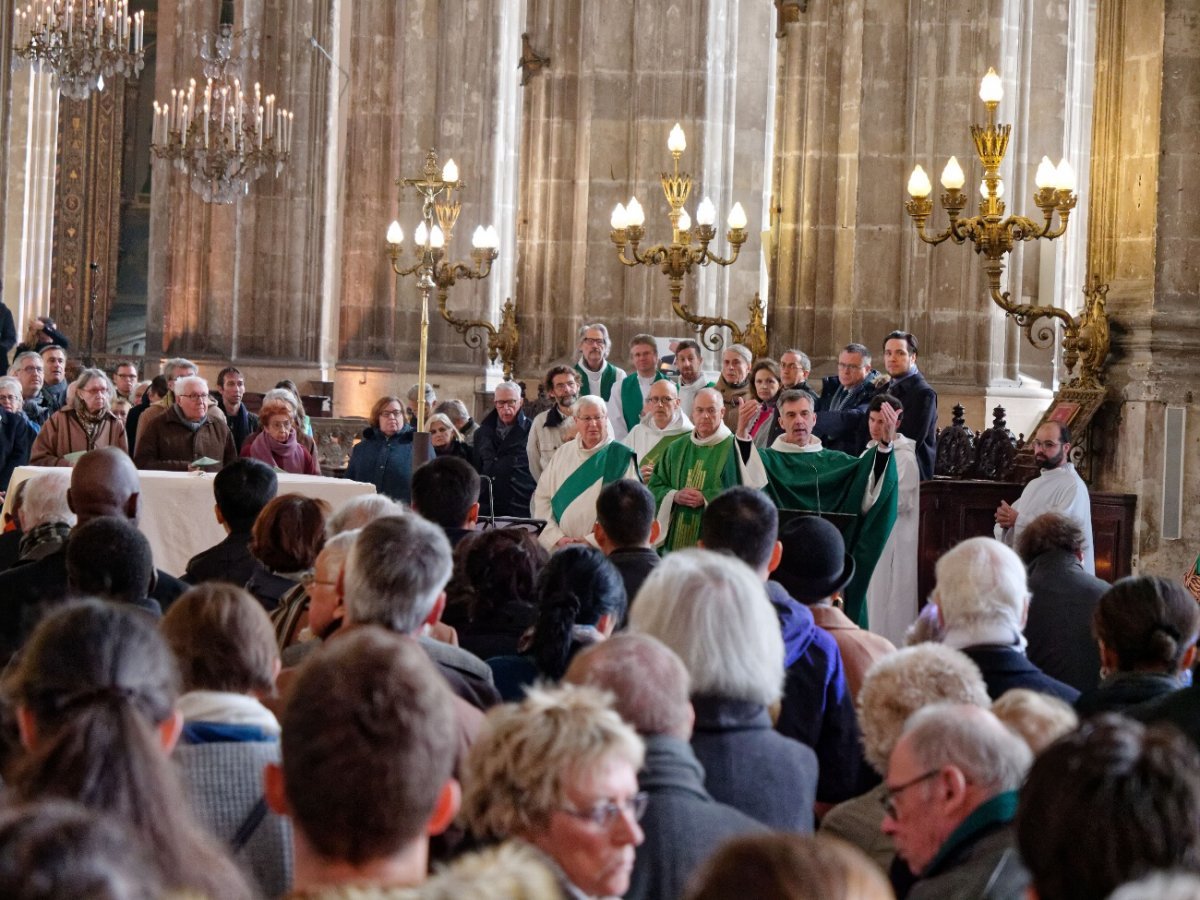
[(953, 510)]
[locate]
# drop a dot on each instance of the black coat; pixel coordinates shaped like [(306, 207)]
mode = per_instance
[(16, 442), (230, 561), (1059, 627), (506, 462), (1005, 668), (752, 767), (683, 824), (844, 429), (919, 422)]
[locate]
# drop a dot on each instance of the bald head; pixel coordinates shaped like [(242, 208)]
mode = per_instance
[(708, 411), (104, 483), (663, 400)]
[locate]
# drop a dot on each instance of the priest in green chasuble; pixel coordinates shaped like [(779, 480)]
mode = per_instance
[(664, 425), (567, 491), (693, 471), (797, 473)]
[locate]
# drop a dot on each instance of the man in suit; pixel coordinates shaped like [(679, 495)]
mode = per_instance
[(842, 407), (909, 386)]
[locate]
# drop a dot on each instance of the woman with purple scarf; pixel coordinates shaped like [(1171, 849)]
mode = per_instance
[(276, 443)]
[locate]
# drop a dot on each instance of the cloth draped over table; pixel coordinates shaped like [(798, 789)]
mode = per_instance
[(813, 479)]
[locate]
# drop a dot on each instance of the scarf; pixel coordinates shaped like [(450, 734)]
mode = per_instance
[(177, 411), (42, 540), (89, 421), (287, 455)]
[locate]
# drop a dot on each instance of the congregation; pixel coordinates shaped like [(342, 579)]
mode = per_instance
[(662, 639)]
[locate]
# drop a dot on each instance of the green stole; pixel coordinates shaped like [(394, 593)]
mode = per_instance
[(609, 464), (607, 379), (654, 453), (631, 398), (830, 481), (709, 470)]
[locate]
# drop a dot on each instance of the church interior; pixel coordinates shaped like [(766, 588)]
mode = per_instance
[(809, 114)]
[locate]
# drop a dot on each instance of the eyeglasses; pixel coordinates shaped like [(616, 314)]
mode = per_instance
[(1047, 445), (589, 418), (889, 798), (308, 579), (597, 342), (281, 425), (195, 398), (660, 400), (391, 414), (605, 815), (10, 398), (508, 402), (94, 391), (28, 369), (850, 367)]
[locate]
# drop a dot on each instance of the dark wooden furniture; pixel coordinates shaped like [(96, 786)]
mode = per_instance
[(953, 510)]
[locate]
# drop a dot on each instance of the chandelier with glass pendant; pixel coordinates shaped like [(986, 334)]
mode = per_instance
[(225, 134), (81, 42)]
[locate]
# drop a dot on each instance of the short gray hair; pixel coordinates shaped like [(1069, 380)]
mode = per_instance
[(26, 354), (648, 681), (171, 366), (805, 362), (181, 384), (741, 350), (981, 582), (339, 546), (794, 395), (45, 500), (280, 395), (861, 349), (395, 573), (13, 384), (455, 409), (86, 375), (592, 400), (508, 386), (972, 740), (901, 683), (597, 326), (360, 511), (713, 611)]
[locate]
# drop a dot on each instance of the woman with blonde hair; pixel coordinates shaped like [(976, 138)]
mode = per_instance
[(445, 438)]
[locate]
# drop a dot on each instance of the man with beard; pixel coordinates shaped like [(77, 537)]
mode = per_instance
[(692, 377), (596, 374), (693, 472), (1058, 488), (554, 427), (665, 424)]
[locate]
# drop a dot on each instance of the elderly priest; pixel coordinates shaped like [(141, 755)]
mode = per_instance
[(693, 471), (567, 491), (665, 424), (797, 473)]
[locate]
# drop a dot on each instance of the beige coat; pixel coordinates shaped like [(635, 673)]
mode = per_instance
[(63, 433)]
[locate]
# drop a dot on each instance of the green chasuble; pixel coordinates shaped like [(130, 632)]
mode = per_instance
[(655, 453), (831, 481), (607, 379), (631, 398), (606, 466), (684, 464)]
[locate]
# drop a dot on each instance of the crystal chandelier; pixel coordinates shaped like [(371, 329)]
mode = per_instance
[(80, 41), (222, 135)]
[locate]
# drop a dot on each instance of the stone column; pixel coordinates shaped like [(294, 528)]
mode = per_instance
[(595, 133), (1145, 240)]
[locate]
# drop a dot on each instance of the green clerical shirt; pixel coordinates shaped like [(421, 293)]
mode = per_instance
[(709, 468)]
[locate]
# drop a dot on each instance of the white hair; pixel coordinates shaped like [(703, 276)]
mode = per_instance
[(188, 381), (280, 395), (171, 366), (972, 740), (358, 512), (45, 500), (338, 547), (713, 611), (981, 582), (741, 350), (508, 386), (591, 400), (13, 384)]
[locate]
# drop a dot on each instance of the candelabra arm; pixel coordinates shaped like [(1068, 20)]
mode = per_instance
[(706, 256), (753, 336)]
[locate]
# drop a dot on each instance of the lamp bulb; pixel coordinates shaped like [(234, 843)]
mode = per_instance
[(952, 176), (685, 221), (421, 235), (706, 213), (636, 216), (395, 234), (493, 237), (1065, 176), (450, 172), (479, 238), (737, 217), (437, 239), (918, 184), (991, 89), (620, 219), (676, 142), (1047, 175)]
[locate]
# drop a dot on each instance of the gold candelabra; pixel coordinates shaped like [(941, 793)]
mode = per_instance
[(994, 235), (439, 214), (689, 247)]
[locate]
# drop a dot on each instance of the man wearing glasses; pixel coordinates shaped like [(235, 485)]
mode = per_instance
[(1058, 488), (665, 423), (501, 454), (186, 437), (842, 407), (949, 802), (596, 374)]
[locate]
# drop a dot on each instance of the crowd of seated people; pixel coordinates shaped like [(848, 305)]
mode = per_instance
[(383, 698)]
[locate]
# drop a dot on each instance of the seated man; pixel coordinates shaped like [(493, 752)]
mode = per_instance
[(1107, 804), (817, 708), (682, 823), (186, 436), (445, 491), (693, 471), (952, 784), (982, 601), (325, 605), (110, 559), (566, 494), (241, 490), (365, 792), (662, 427), (625, 530), (45, 517), (29, 369)]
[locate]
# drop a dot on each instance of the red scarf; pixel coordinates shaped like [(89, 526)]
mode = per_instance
[(289, 455)]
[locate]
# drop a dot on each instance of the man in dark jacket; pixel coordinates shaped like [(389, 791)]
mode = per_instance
[(909, 386), (683, 824), (817, 708), (242, 423), (501, 454), (842, 407), (1063, 598), (625, 530), (16, 441), (241, 490)]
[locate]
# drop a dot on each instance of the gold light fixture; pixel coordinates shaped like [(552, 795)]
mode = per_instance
[(689, 247), (81, 42), (439, 214), (994, 235)]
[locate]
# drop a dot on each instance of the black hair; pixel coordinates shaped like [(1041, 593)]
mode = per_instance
[(878, 400), (577, 587), (743, 522), (109, 558), (242, 489), (444, 490), (905, 336), (625, 510)]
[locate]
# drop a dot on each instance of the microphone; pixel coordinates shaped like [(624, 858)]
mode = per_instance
[(816, 484), (491, 517)]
